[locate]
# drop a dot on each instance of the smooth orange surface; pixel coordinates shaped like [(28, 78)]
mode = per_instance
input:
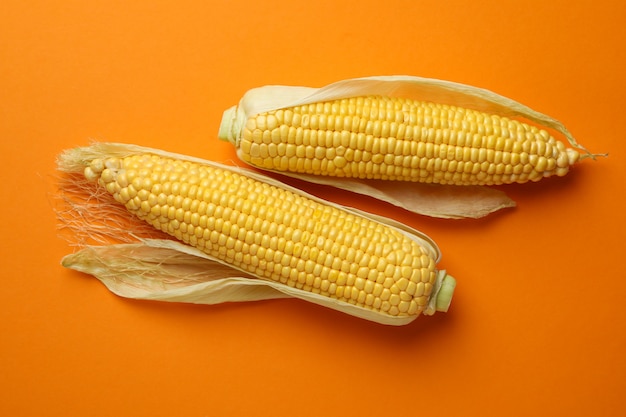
[(538, 322)]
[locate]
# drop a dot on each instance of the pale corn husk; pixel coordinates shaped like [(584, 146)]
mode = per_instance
[(132, 263), (442, 201)]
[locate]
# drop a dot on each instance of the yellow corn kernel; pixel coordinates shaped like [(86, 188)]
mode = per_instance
[(274, 233), (379, 137)]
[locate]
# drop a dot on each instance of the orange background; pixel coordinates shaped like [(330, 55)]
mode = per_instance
[(537, 325)]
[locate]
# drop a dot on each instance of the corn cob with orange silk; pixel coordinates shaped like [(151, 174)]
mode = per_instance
[(276, 234), (391, 138)]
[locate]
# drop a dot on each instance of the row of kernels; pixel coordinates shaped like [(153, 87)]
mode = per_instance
[(419, 113), (310, 143), (456, 155), (392, 145)]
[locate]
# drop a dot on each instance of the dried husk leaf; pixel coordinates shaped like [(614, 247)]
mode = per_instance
[(167, 270), (431, 200)]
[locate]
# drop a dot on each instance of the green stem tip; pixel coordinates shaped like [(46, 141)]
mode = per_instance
[(446, 291), (226, 126)]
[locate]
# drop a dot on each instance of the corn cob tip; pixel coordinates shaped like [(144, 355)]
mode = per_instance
[(441, 296)]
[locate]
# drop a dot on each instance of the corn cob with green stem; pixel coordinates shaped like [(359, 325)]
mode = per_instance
[(405, 129), (274, 232), (391, 138)]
